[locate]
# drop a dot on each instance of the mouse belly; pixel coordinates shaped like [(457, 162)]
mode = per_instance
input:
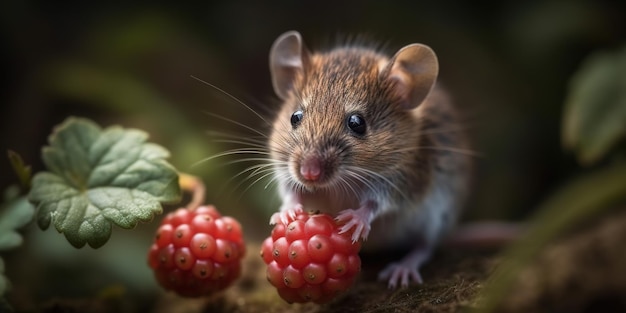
[(411, 226)]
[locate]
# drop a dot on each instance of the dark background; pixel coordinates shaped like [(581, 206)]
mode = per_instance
[(506, 63)]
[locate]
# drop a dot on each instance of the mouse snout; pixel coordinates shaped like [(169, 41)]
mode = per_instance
[(311, 168), (314, 169)]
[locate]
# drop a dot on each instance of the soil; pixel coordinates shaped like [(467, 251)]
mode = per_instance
[(452, 281), (582, 272)]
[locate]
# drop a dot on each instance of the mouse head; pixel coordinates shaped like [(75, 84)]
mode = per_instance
[(347, 114)]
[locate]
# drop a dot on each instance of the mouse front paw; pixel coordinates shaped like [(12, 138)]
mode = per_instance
[(358, 219), (286, 216)]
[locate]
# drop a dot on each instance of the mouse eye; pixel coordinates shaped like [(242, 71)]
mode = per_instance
[(296, 118), (356, 123)]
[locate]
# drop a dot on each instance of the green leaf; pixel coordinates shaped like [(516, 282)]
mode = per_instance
[(98, 178), (595, 109), (576, 203), (14, 215)]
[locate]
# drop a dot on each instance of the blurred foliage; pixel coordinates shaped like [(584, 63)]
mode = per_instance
[(578, 202), (15, 213), (595, 110), (594, 122), (4, 282), (506, 63)]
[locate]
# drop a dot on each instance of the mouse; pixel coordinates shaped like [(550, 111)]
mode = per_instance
[(372, 139)]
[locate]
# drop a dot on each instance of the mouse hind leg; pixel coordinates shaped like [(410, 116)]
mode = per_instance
[(406, 270)]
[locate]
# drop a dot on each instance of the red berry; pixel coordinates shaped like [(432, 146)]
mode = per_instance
[(320, 247), (308, 260), (182, 235), (275, 275), (310, 292), (208, 209), (295, 231), (320, 224), (266, 250), (298, 254), (280, 251), (337, 266), (203, 223), (202, 245), (278, 231), (202, 269), (164, 235), (197, 252), (293, 277), (314, 273), (184, 259)]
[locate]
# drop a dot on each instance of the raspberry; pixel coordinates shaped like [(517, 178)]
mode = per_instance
[(309, 261), (197, 252)]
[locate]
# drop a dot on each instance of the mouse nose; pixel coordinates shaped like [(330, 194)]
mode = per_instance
[(311, 168)]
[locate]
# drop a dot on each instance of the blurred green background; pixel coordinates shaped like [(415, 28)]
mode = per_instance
[(506, 63)]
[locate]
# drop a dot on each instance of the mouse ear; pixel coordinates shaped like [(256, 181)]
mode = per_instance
[(287, 58), (413, 70)]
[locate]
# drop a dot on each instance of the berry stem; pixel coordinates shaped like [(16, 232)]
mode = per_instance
[(195, 186)]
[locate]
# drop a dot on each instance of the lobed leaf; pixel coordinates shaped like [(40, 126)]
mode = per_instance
[(98, 178)]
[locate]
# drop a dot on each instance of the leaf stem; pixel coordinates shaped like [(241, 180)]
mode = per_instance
[(195, 186), (23, 171)]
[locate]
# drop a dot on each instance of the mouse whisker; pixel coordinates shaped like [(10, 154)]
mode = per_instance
[(289, 183), (236, 123), (233, 98), (406, 149), (376, 176), (265, 161), (241, 142), (268, 173), (274, 179), (262, 170), (454, 128), (278, 168), (251, 169), (361, 177), (237, 139), (346, 185), (231, 153), (452, 149)]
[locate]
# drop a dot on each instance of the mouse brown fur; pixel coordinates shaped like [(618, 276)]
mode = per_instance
[(373, 140)]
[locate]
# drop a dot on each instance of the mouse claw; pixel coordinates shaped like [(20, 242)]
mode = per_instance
[(400, 273), (275, 218), (406, 270), (286, 216), (356, 219)]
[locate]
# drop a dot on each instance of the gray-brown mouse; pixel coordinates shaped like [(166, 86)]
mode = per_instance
[(372, 140)]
